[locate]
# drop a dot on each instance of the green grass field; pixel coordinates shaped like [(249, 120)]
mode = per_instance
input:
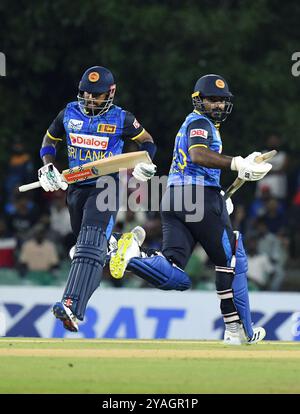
[(44, 366)]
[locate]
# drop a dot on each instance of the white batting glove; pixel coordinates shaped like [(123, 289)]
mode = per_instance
[(248, 169), (50, 178), (143, 171), (229, 204), (253, 155)]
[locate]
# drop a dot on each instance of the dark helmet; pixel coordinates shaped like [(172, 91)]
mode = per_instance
[(96, 80), (212, 86)]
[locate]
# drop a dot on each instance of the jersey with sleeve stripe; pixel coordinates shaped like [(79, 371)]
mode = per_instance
[(196, 131)]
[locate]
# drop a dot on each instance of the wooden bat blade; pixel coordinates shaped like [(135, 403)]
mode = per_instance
[(105, 166), (98, 168)]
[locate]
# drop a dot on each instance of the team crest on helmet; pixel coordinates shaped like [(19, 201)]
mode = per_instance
[(94, 76), (220, 84)]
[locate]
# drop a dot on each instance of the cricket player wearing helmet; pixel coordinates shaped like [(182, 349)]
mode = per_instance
[(197, 153), (94, 128)]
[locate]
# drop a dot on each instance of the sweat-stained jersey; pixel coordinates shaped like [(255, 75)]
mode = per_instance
[(93, 138), (196, 131)]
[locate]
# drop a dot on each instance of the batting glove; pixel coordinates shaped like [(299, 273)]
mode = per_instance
[(50, 178), (143, 171), (248, 169)]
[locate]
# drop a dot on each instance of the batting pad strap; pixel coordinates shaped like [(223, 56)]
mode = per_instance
[(158, 271), (47, 150), (231, 317), (224, 269), (225, 294)]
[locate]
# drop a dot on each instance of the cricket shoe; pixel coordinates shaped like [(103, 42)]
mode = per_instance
[(239, 337), (128, 247), (258, 335), (234, 334), (67, 317)]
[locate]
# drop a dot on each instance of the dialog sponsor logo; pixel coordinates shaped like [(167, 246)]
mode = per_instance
[(89, 141)]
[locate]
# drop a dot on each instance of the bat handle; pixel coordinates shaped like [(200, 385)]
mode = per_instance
[(31, 186), (266, 156)]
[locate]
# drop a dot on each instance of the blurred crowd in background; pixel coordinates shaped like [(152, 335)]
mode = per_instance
[(36, 235)]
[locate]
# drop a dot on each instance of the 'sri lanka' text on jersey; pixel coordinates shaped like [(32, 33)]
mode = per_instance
[(93, 138), (196, 131)]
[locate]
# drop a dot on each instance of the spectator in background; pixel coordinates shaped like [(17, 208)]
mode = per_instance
[(19, 169), (275, 216), (7, 246), (60, 222), (273, 246), (259, 205), (274, 210), (260, 267), (38, 253), (276, 180), (24, 216)]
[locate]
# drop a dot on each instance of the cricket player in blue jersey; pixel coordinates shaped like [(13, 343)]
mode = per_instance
[(197, 153), (94, 128)]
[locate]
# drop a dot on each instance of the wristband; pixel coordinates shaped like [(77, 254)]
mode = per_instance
[(47, 150), (150, 147)]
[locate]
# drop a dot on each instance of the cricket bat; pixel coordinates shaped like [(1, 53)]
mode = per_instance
[(98, 168), (238, 182)]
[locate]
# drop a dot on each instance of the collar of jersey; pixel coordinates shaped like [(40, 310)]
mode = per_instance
[(199, 113)]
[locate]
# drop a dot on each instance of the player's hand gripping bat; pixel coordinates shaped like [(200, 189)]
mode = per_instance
[(238, 182)]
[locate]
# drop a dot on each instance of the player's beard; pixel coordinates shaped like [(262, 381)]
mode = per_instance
[(217, 114)]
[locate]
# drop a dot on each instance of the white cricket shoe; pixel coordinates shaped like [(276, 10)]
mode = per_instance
[(258, 335), (239, 338), (236, 334), (128, 247)]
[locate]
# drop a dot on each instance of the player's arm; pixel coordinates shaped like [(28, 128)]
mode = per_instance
[(48, 175), (133, 130), (199, 140), (53, 135), (210, 159)]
